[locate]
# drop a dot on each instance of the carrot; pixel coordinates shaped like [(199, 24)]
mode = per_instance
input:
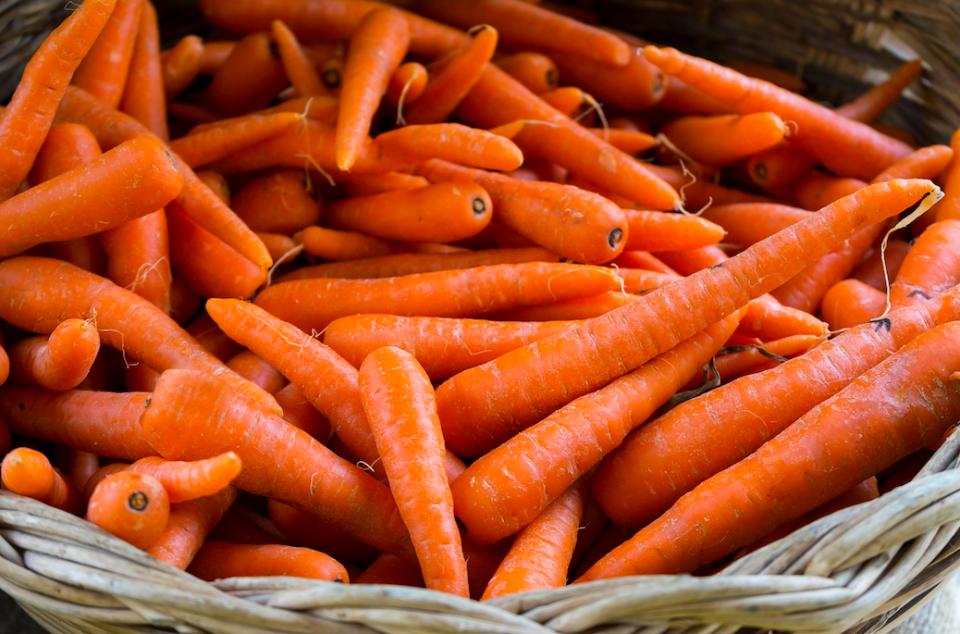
[(949, 208), (181, 64), (48, 291), (279, 245), (451, 83), (630, 141), (331, 73), (846, 147), (806, 465), (257, 371), (850, 303), (401, 408), (221, 560), (103, 71), (767, 319), (185, 481), (931, 266), (132, 506), (392, 571), (748, 223), (113, 128), (191, 113), (143, 95), (296, 64), (188, 404), (76, 465), (525, 25), (214, 55), (535, 71), (870, 271), (300, 413), (457, 293), (540, 555), (406, 85), (445, 212), (816, 190), (579, 308), (28, 472), (449, 141), (188, 527), (572, 223), (698, 192), (680, 98), (648, 474), (206, 332), (377, 48), (279, 202), (340, 246), (200, 148), (592, 524), (776, 76), (30, 113), (306, 530), (249, 79), (368, 185), (243, 525), (508, 487), (643, 260), (725, 139), (136, 177), (658, 231), (59, 363), (569, 101), (409, 263), (442, 346), (738, 363), (626, 338), (689, 261), (209, 266)]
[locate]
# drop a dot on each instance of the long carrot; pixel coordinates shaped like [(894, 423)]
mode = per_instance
[(807, 464), (188, 527), (185, 481), (847, 147), (753, 409), (474, 403), (180, 65), (103, 71), (300, 71), (59, 363), (401, 408), (221, 560), (540, 555), (457, 293), (30, 114), (197, 149), (850, 303), (28, 472), (143, 97), (188, 404)]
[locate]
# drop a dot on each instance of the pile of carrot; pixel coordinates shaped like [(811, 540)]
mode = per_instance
[(473, 296)]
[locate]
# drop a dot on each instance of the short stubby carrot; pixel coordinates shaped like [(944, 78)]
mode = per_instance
[(445, 212), (457, 293), (132, 506), (401, 408), (188, 527), (931, 266), (279, 202), (724, 139), (475, 405), (850, 303), (185, 481), (222, 560), (60, 362), (443, 346), (186, 403), (809, 463), (28, 472), (103, 71), (406, 85)]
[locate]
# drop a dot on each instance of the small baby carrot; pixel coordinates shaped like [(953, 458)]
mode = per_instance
[(570, 101), (188, 527), (280, 202), (214, 55), (279, 245), (659, 231), (248, 80), (768, 319), (221, 560), (300, 71), (180, 65), (132, 506), (630, 141), (28, 472), (60, 362), (406, 86), (534, 70)]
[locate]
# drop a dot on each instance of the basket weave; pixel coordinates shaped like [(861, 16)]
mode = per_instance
[(862, 570)]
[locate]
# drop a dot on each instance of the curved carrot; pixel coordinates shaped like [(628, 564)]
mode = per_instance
[(300, 71), (60, 362), (445, 212), (185, 481), (534, 70), (279, 203), (508, 487), (103, 71), (401, 408), (200, 148), (180, 65), (806, 465), (474, 404), (143, 95), (850, 303), (278, 244), (748, 223), (456, 293), (187, 405), (306, 530), (257, 371), (28, 472), (407, 84), (919, 278), (132, 506), (725, 139), (377, 48), (540, 555), (249, 79), (188, 527), (442, 346), (221, 560), (214, 55), (341, 246), (30, 113)]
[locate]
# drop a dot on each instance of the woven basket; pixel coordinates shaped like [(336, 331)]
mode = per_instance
[(862, 570)]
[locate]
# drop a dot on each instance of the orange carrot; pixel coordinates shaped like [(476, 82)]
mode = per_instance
[(473, 405), (630, 141), (776, 76), (280, 202), (214, 55), (243, 525), (870, 271), (679, 97), (257, 371), (59, 363), (206, 332), (406, 85), (392, 571), (449, 141), (185, 481), (132, 506), (181, 64), (931, 266), (204, 147), (949, 207), (143, 96), (300, 413), (401, 408), (28, 472), (570, 101), (377, 48), (278, 245), (850, 303), (540, 555), (221, 560), (296, 64), (306, 530), (103, 71), (578, 308), (341, 246), (748, 223), (191, 113), (768, 319), (817, 189), (535, 71), (592, 525), (331, 73), (249, 79), (368, 185), (659, 231), (724, 139), (76, 465), (188, 527), (30, 113), (643, 260), (738, 363)]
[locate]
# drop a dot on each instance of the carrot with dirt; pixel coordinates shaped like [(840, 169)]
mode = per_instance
[(143, 96), (103, 71), (808, 464), (846, 147), (473, 405), (187, 405), (60, 362), (280, 202), (30, 113), (29, 473), (377, 48), (633, 491), (222, 560), (300, 71), (456, 293), (748, 223), (131, 506), (540, 555), (257, 371), (180, 65), (850, 303), (401, 408), (535, 71), (185, 481), (188, 527), (197, 149), (444, 212), (507, 488), (724, 139), (566, 220)]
